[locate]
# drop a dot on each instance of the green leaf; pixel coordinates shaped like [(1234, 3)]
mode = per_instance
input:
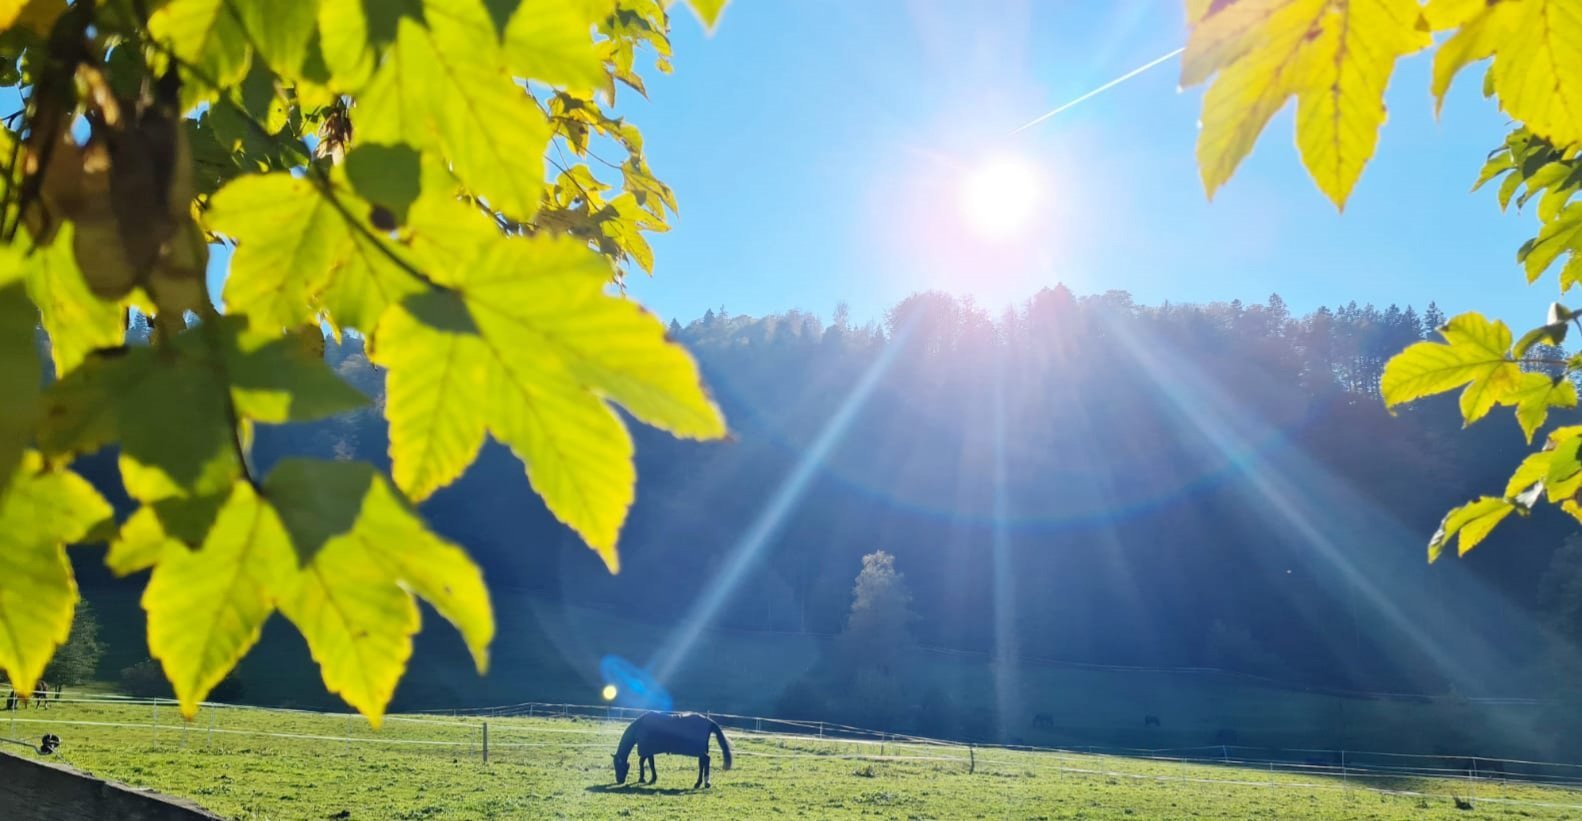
[(80, 409), (279, 379), (1478, 38), (77, 321), (708, 11), (1535, 394), (367, 281), (390, 176), (1538, 68), (1551, 334), (551, 41), (175, 432), (179, 522), (1335, 57), (1559, 236), (203, 34), (351, 38), (1475, 353), (435, 391), (1532, 471), (139, 544), (20, 377), (280, 31), (40, 512), (287, 234), (1472, 522), (531, 346), (441, 87), (207, 607), (363, 549)]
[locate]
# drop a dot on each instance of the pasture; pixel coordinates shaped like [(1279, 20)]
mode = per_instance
[(552, 651), (257, 763)]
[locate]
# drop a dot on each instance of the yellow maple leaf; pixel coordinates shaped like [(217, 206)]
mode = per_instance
[(1334, 56)]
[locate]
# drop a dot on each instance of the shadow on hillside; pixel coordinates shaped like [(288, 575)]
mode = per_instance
[(640, 789)]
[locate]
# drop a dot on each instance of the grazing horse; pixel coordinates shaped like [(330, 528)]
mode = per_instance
[(676, 733), (41, 695)]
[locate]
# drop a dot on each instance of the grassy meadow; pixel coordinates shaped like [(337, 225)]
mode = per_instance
[(550, 651), (254, 763)]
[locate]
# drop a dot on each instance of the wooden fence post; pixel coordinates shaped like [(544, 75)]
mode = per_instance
[(972, 760), (486, 742)]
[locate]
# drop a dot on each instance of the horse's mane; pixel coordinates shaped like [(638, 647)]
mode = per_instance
[(628, 740)]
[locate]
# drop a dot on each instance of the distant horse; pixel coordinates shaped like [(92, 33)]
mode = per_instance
[(41, 695), (1150, 721), (1044, 721), (670, 733)]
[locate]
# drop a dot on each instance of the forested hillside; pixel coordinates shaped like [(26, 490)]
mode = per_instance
[(1176, 485)]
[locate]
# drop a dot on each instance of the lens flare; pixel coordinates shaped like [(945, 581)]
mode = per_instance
[(609, 692)]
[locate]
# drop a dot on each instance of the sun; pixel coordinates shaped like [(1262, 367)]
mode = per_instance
[(1000, 195), (609, 692)]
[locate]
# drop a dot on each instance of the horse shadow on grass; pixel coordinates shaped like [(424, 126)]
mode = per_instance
[(637, 789)]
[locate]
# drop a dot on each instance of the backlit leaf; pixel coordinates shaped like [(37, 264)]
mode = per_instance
[(1335, 56), (76, 320), (20, 376), (1561, 236), (1472, 522), (203, 34), (278, 379), (1483, 28), (1532, 470), (1475, 353), (436, 390), (139, 544), (176, 435), (40, 512), (442, 86), (364, 550), (1538, 69), (207, 607), (37, 15), (1535, 394), (553, 347), (708, 11), (551, 41), (280, 31), (288, 235)]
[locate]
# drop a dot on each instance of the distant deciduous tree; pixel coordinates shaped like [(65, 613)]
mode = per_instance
[(77, 661)]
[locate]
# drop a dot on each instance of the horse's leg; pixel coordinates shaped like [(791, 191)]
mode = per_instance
[(642, 768), (708, 770)]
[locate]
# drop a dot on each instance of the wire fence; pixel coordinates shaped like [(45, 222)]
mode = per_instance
[(516, 733)]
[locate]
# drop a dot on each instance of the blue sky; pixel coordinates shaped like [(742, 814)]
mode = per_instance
[(817, 148)]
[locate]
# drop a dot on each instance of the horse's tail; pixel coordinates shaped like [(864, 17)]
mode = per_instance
[(725, 746)]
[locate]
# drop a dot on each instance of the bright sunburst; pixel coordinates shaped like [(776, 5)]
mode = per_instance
[(1000, 196)]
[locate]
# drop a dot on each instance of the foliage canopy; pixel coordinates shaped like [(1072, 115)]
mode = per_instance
[(1336, 57), (417, 173)]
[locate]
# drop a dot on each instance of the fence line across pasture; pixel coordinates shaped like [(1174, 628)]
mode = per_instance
[(844, 742)]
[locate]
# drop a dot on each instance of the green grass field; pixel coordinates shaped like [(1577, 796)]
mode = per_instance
[(550, 651), (253, 763)]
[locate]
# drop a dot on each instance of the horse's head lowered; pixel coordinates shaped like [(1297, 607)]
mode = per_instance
[(622, 767)]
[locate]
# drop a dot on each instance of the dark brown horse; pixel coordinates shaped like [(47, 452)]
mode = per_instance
[(671, 733)]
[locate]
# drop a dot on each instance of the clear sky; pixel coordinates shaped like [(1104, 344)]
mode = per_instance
[(818, 148)]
